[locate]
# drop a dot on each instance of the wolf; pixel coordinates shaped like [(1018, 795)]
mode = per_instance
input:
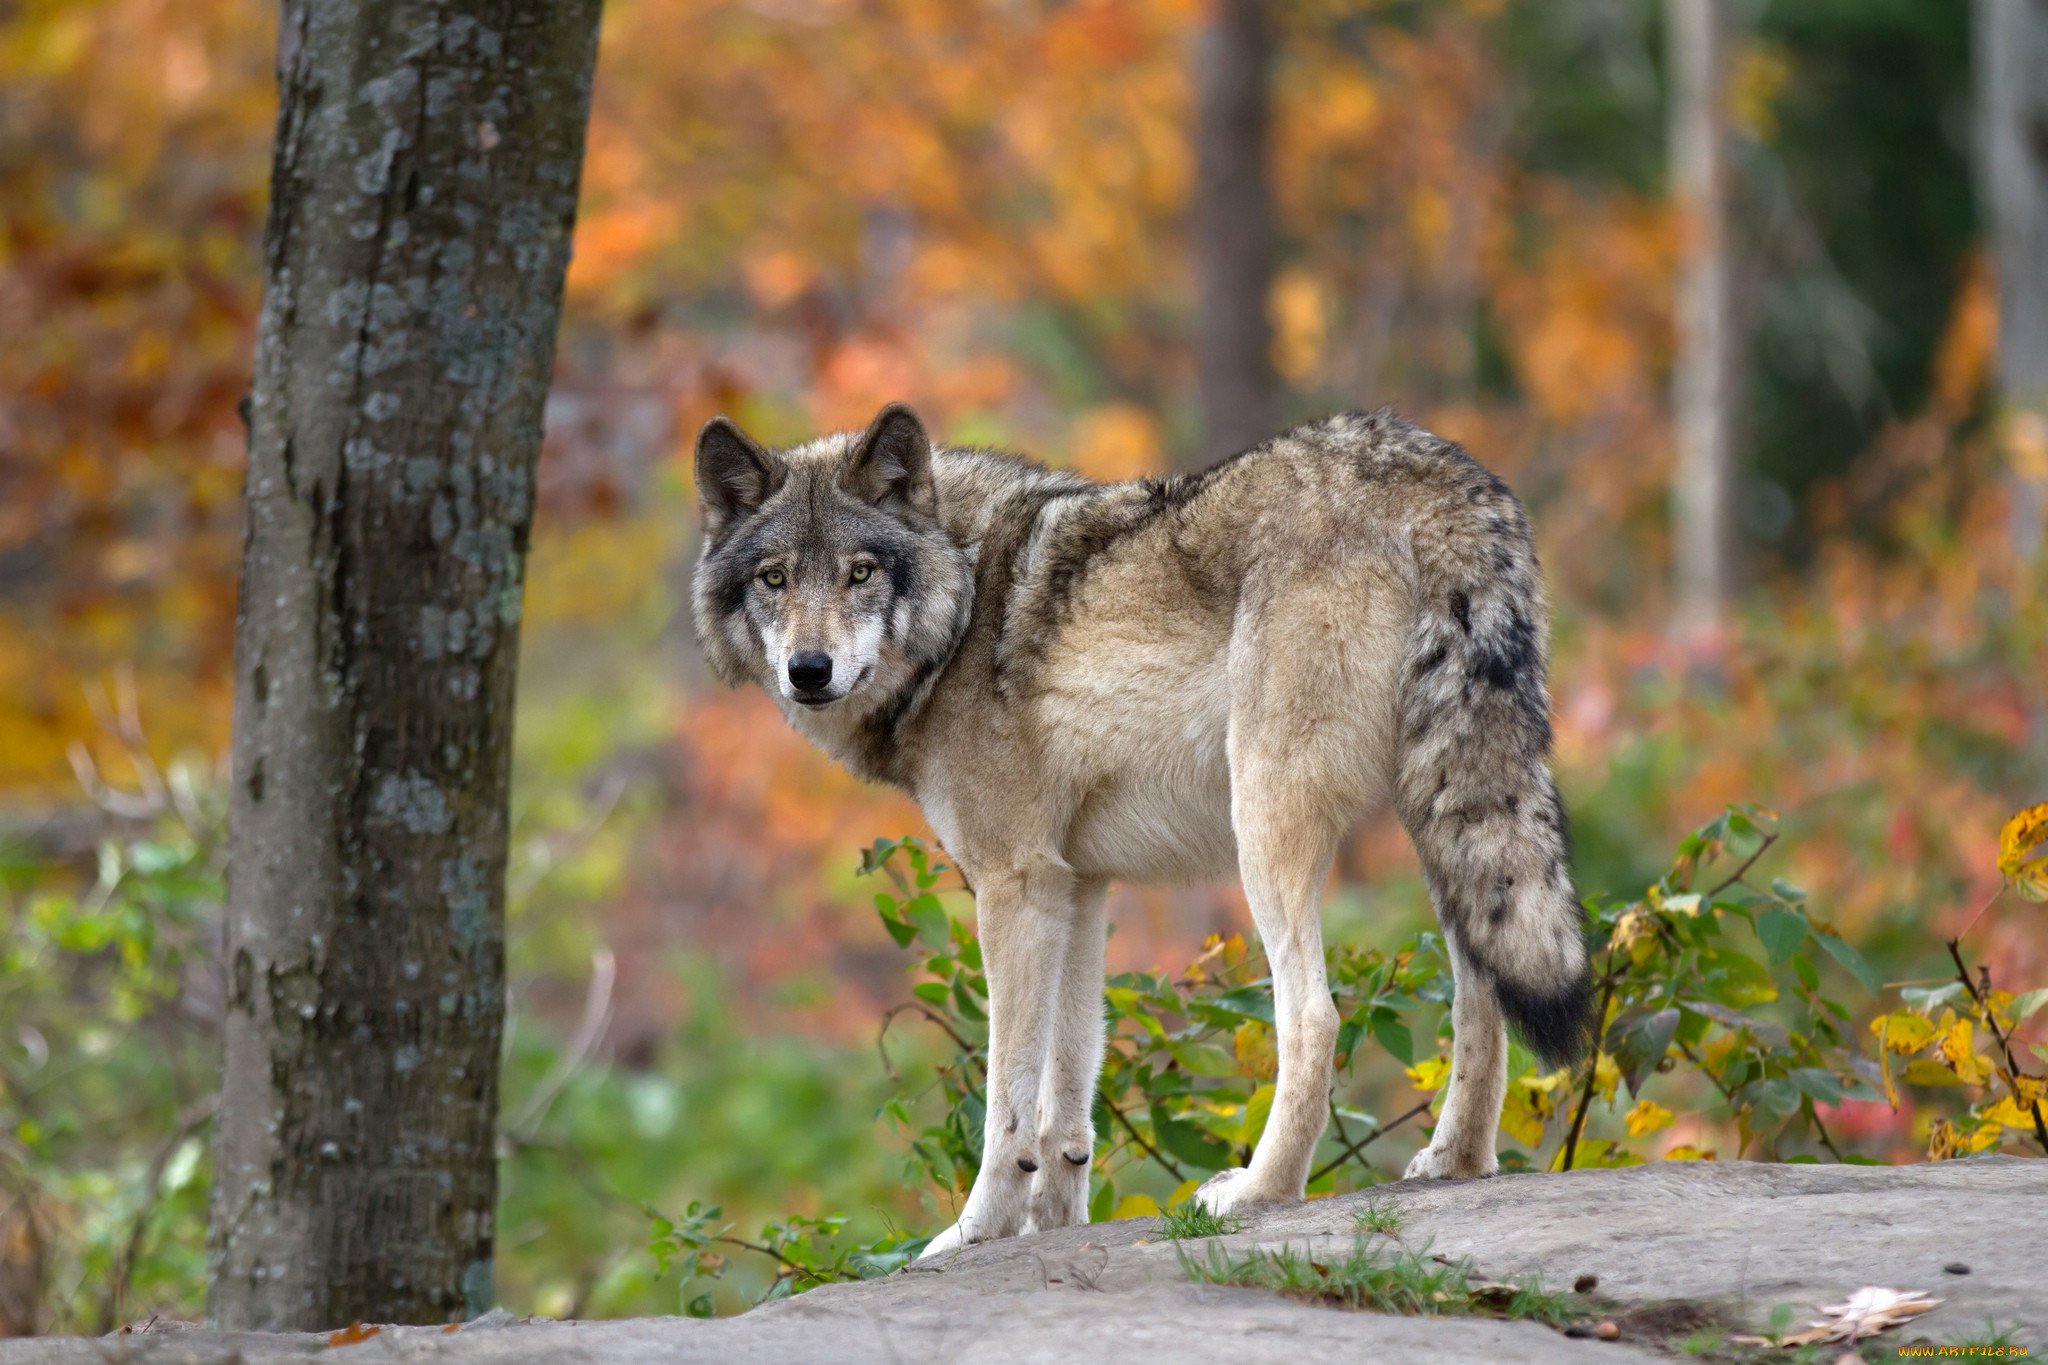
[(1161, 681)]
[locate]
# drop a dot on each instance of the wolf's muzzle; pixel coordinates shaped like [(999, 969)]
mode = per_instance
[(810, 677)]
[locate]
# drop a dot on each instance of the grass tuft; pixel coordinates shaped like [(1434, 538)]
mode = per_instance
[(1192, 1222), (1377, 1215), (1370, 1279)]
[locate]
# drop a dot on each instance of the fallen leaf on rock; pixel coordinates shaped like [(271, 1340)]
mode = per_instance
[(1870, 1310), (351, 1334)]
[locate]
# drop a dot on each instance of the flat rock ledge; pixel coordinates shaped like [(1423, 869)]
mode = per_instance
[(1672, 1244)]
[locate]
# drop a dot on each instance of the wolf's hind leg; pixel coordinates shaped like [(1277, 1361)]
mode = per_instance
[(1284, 852), (1023, 916), (1066, 1128), (1462, 1145)]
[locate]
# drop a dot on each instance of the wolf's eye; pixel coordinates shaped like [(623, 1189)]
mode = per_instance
[(863, 572), (773, 578)]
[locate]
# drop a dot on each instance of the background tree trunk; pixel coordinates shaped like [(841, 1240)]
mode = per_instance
[(1704, 381), (2011, 71), (423, 193), (1234, 231)]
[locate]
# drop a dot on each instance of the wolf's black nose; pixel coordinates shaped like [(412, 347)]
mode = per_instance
[(810, 670)]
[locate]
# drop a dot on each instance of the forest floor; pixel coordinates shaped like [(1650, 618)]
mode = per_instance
[(1686, 1254)]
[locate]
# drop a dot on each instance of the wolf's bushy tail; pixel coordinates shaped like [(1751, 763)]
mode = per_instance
[(1473, 785)]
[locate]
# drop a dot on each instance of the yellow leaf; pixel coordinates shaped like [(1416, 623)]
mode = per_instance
[(1183, 1192), (1685, 1151), (1958, 1042), (1958, 1047), (1986, 1137), (1430, 1073), (1519, 1119), (1647, 1117), (1135, 1206), (1924, 1071), (2023, 852), (1903, 1031), (1606, 1076), (2009, 1114), (1256, 1110), (1255, 1052)]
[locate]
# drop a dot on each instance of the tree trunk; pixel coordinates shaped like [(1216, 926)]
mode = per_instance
[(2011, 59), (1234, 231), (422, 197), (1704, 374)]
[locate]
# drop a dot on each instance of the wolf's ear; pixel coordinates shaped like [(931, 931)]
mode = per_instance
[(735, 475), (892, 462)]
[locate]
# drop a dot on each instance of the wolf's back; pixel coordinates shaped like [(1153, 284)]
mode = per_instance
[(1473, 784)]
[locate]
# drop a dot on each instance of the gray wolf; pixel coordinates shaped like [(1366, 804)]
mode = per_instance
[(1160, 681)]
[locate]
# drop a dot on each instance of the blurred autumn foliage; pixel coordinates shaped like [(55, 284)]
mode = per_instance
[(795, 210)]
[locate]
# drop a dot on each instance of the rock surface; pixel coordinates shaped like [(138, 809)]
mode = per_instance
[(1730, 1241)]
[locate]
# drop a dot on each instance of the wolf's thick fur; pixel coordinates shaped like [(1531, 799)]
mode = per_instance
[(1153, 681)]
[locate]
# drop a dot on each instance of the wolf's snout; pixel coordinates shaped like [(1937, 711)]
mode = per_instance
[(810, 671)]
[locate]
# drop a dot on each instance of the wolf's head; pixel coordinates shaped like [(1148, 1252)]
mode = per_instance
[(826, 575)]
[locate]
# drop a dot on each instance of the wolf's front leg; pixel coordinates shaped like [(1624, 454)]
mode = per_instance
[(1461, 1148), (1066, 1125), (1022, 917)]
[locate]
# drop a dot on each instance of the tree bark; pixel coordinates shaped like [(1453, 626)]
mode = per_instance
[(1704, 380), (1234, 231), (2010, 38), (423, 192)]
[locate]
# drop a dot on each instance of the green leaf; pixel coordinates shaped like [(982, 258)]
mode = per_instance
[(1821, 1085), (1393, 1035), (1841, 952), (1928, 999), (1776, 1098), (1248, 1002), (1103, 1202), (2026, 1004), (930, 918), (1183, 1141), (1735, 979), (1781, 932), (1787, 891), (1638, 1039), (1203, 1059), (1804, 970), (931, 992), (1348, 1034)]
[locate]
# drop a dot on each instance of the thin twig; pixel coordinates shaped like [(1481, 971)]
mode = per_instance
[(1980, 911), (1747, 864), (1825, 1140), (1355, 1148), (1139, 1138), (131, 1250), (2012, 1068), (597, 1016), (1571, 1142), (881, 1035)]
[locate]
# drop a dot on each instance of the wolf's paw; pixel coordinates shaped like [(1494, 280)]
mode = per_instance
[(1434, 1163), (1232, 1191), (945, 1244)]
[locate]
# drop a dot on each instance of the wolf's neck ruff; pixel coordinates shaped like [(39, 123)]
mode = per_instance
[(1162, 681)]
